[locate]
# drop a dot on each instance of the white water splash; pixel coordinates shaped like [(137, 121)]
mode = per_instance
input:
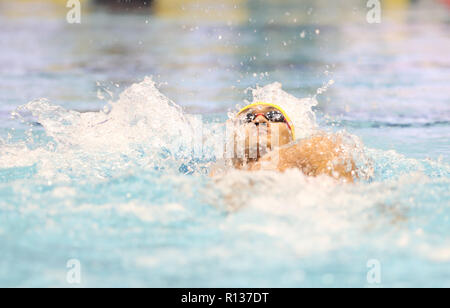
[(142, 115), (143, 129)]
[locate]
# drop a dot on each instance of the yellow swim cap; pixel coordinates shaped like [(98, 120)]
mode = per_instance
[(288, 120)]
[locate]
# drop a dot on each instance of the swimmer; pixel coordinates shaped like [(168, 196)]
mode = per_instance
[(265, 137)]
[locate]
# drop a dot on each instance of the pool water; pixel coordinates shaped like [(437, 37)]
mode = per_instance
[(91, 166)]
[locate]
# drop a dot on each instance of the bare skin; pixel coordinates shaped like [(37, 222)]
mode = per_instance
[(320, 154), (270, 146)]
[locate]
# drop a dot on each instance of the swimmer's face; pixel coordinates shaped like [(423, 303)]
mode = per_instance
[(260, 129)]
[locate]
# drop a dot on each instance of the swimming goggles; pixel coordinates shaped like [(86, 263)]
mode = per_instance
[(272, 116)]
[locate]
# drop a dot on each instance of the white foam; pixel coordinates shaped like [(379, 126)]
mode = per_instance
[(315, 215), (141, 125)]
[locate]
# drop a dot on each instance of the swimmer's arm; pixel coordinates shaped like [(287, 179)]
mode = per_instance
[(320, 154)]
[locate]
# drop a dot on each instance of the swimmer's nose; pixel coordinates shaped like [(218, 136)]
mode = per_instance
[(260, 119)]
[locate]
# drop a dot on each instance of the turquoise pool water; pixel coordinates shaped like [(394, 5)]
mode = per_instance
[(93, 171)]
